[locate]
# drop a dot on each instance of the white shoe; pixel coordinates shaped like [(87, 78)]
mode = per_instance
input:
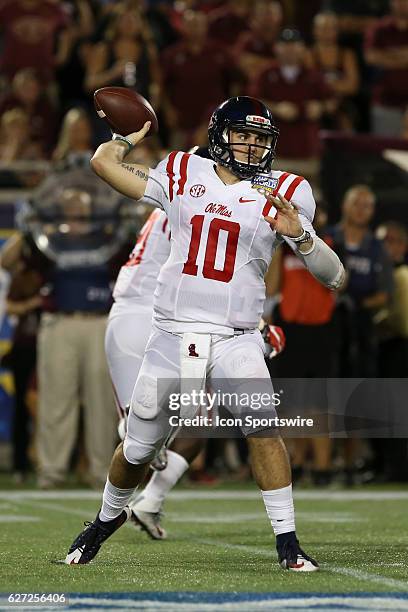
[(150, 523)]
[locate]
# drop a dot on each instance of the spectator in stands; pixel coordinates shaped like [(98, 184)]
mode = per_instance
[(24, 303), (126, 57), (72, 370), (255, 48), (74, 47), (370, 283), (339, 67), (393, 328), (355, 17), (305, 313), (17, 149), (229, 21), (75, 137), (28, 94), (163, 23), (386, 51), (197, 75), (30, 30), (393, 354), (297, 97), (369, 290), (17, 146), (16, 143)]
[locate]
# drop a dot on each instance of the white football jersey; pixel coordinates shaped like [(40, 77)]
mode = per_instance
[(221, 246), (137, 279)]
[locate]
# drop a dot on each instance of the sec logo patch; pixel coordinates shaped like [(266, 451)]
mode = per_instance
[(197, 191)]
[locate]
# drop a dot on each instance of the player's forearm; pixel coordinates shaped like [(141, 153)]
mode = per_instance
[(113, 151), (305, 247), (109, 163), (323, 263)]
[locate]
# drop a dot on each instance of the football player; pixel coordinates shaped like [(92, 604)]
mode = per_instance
[(227, 216), (127, 333)]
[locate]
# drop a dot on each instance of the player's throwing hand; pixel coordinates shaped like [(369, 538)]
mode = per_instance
[(136, 137)]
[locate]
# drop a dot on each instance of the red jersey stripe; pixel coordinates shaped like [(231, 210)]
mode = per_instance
[(170, 173), (183, 173), (292, 187), (136, 258), (266, 208), (281, 179)]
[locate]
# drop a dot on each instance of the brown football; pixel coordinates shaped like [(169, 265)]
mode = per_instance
[(124, 110)]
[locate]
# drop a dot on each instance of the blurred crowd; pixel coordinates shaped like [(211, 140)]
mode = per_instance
[(321, 65), (330, 65)]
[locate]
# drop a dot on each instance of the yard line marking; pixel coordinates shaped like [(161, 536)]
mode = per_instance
[(16, 518), (176, 517), (56, 508), (375, 578), (313, 517), (72, 511), (183, 495), (173, 517), (329, 517), (354, 573)]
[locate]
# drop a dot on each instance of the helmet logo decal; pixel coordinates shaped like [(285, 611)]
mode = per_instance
[(257, 120)]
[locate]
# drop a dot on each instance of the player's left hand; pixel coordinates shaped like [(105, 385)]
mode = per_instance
[(275, 338), (287, 220)]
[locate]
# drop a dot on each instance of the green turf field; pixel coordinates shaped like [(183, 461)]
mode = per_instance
[(219, 540)]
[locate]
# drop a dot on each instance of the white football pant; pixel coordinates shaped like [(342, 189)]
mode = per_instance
[(125, 342), (236, 365)]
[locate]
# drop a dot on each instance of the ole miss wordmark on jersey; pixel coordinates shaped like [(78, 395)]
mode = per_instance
[(221, 246), (138, 277)]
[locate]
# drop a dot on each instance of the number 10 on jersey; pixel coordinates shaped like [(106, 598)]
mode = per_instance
[(209, 271)]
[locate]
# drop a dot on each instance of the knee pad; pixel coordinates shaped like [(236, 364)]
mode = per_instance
[(137, 452), (144, 402)]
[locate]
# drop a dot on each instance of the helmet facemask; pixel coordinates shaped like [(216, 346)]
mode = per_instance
[(254, 158)]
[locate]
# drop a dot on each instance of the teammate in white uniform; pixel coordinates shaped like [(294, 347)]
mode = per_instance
[(130, 318), (209, 299), (128, 330)]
